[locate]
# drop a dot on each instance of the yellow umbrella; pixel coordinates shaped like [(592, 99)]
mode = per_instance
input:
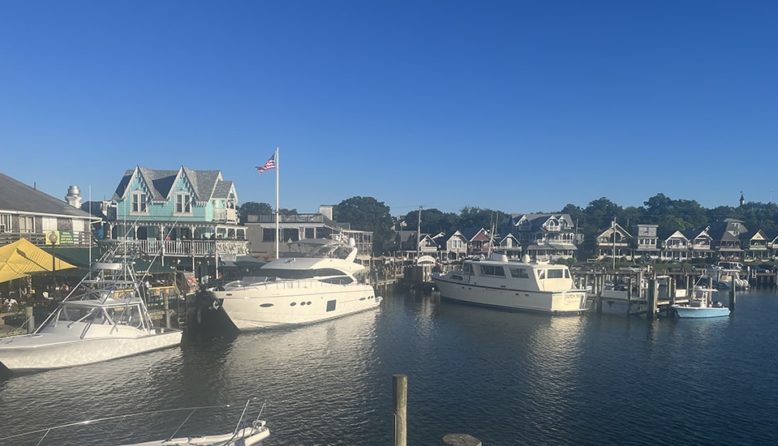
[(21, 258)]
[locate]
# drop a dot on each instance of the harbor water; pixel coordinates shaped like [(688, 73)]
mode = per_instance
[(505, 378)]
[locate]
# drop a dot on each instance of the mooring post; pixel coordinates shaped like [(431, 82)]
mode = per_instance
[(460, 440), (652, 298), (167, 308), (30, 318), (733, 293), (600, 287), (400, 384)]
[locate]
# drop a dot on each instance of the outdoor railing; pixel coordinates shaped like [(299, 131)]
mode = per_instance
[(185, 248)]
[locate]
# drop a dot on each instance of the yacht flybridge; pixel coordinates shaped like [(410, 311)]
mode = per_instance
[(497, 282), (319, 280), (104, 317)]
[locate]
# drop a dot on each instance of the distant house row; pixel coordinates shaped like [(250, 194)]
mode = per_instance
[(729, 240), (554, 237)]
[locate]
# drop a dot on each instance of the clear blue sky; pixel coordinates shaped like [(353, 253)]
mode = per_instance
[(517, 106)]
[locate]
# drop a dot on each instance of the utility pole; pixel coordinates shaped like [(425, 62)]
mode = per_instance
[(418, 236), (613, 229)]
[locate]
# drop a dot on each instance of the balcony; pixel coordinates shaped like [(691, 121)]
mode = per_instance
[(64, 238), (184, 248)]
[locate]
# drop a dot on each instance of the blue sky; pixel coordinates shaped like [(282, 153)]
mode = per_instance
[(517, 106)]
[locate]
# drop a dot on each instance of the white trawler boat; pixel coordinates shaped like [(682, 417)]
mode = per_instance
[(321, 281), (526, 286), (104, 317)]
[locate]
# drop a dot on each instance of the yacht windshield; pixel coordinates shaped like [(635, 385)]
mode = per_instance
[(301, 273), (318, 249)]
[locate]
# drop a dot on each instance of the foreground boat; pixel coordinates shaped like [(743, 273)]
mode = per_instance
[(246, 433), (701, 305), (512, 285), (321, 281), (103, 318)]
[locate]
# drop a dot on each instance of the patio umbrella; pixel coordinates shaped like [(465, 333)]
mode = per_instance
[(21, 258)]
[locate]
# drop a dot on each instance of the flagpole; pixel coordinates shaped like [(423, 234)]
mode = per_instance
[(278, 227)]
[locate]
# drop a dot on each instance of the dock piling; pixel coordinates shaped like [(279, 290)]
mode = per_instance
[(733, 293), (30, 318), (400, 384)]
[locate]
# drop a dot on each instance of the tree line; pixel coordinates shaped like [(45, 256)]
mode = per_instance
[(369, 214)]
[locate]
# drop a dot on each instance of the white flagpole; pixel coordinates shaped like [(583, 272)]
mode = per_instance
[(278, 227)]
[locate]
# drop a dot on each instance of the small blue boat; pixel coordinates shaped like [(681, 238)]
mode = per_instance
[(701, 306)]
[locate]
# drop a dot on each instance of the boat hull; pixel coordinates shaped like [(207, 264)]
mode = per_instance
[(20, 353), (273, 306), (244, 437), (562, 302), (700, 312)]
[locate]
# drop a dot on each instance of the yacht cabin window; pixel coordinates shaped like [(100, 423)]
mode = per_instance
[(519, 273), (492, 270), (467, 268)]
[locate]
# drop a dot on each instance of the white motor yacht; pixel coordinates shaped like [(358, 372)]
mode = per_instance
[(498, 282), (319, 281), (104, 317)]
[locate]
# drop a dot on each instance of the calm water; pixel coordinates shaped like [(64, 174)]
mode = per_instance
[(506, 378)]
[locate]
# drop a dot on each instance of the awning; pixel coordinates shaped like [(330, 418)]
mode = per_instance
[(21, 258)]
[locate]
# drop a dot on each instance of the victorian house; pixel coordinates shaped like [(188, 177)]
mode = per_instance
[(26, 212), (614, 242), (181, 212), (645, 244), (480, 243), (755, 246), (456, 246), (675, 247), (700, 244), (510, 246), (549, 236), (726, 237)]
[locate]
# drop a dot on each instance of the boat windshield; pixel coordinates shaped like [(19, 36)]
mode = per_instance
[(301, 273)]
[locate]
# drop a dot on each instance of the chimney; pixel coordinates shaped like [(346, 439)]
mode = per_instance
[(326, 210), (73, 197)]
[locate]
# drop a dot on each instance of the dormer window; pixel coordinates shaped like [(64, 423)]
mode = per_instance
[(183, 203), (139, 203)]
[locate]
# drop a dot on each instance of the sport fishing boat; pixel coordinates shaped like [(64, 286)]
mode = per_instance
[(104, 317), (319, 280), (246, 432), (701, 305), (498, 282)]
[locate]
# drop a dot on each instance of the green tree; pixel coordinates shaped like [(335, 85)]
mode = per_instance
[(433, 221), (368, 214)]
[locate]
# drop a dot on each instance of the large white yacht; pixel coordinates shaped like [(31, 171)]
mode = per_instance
[(497, 282), (319, 281), (103, 318)]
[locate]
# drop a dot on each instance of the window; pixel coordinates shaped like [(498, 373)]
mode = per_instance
[(26, 223), (268, 235), (5, 223), (467, 268), (554, 274), (183, 204), (49, 224), (331, 305), (139, 202), (491, 270), (519, 273)]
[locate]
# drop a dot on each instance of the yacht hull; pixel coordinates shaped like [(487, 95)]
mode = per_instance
[(700, 312), (563, 302), (271, 306), (35, 352), (244, 437)]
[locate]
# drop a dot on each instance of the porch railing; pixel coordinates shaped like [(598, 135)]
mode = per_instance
[(185, 248)]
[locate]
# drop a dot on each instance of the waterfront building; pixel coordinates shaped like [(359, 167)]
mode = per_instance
[(675, 247), (456, 246), (726, 236), (261, 232), (510, 246), (700, 244), (183, 212), (645, 244), (480, 242), (26, 212), (755, 246), (614, 242), (545, 236)]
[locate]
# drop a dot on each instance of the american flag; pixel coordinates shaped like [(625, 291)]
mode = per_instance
[(269, 164)]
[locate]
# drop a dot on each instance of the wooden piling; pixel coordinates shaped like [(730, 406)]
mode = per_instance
[(600, 283), (653, 291), (460, 440), (30, 318), (167, 308), (400, 384), (733, 293)]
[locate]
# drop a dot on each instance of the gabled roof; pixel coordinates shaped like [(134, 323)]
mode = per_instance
[(617, 227), (677, 234), (222, 189), (536, 221), (19, 197), (160, 182), (457, 234)]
